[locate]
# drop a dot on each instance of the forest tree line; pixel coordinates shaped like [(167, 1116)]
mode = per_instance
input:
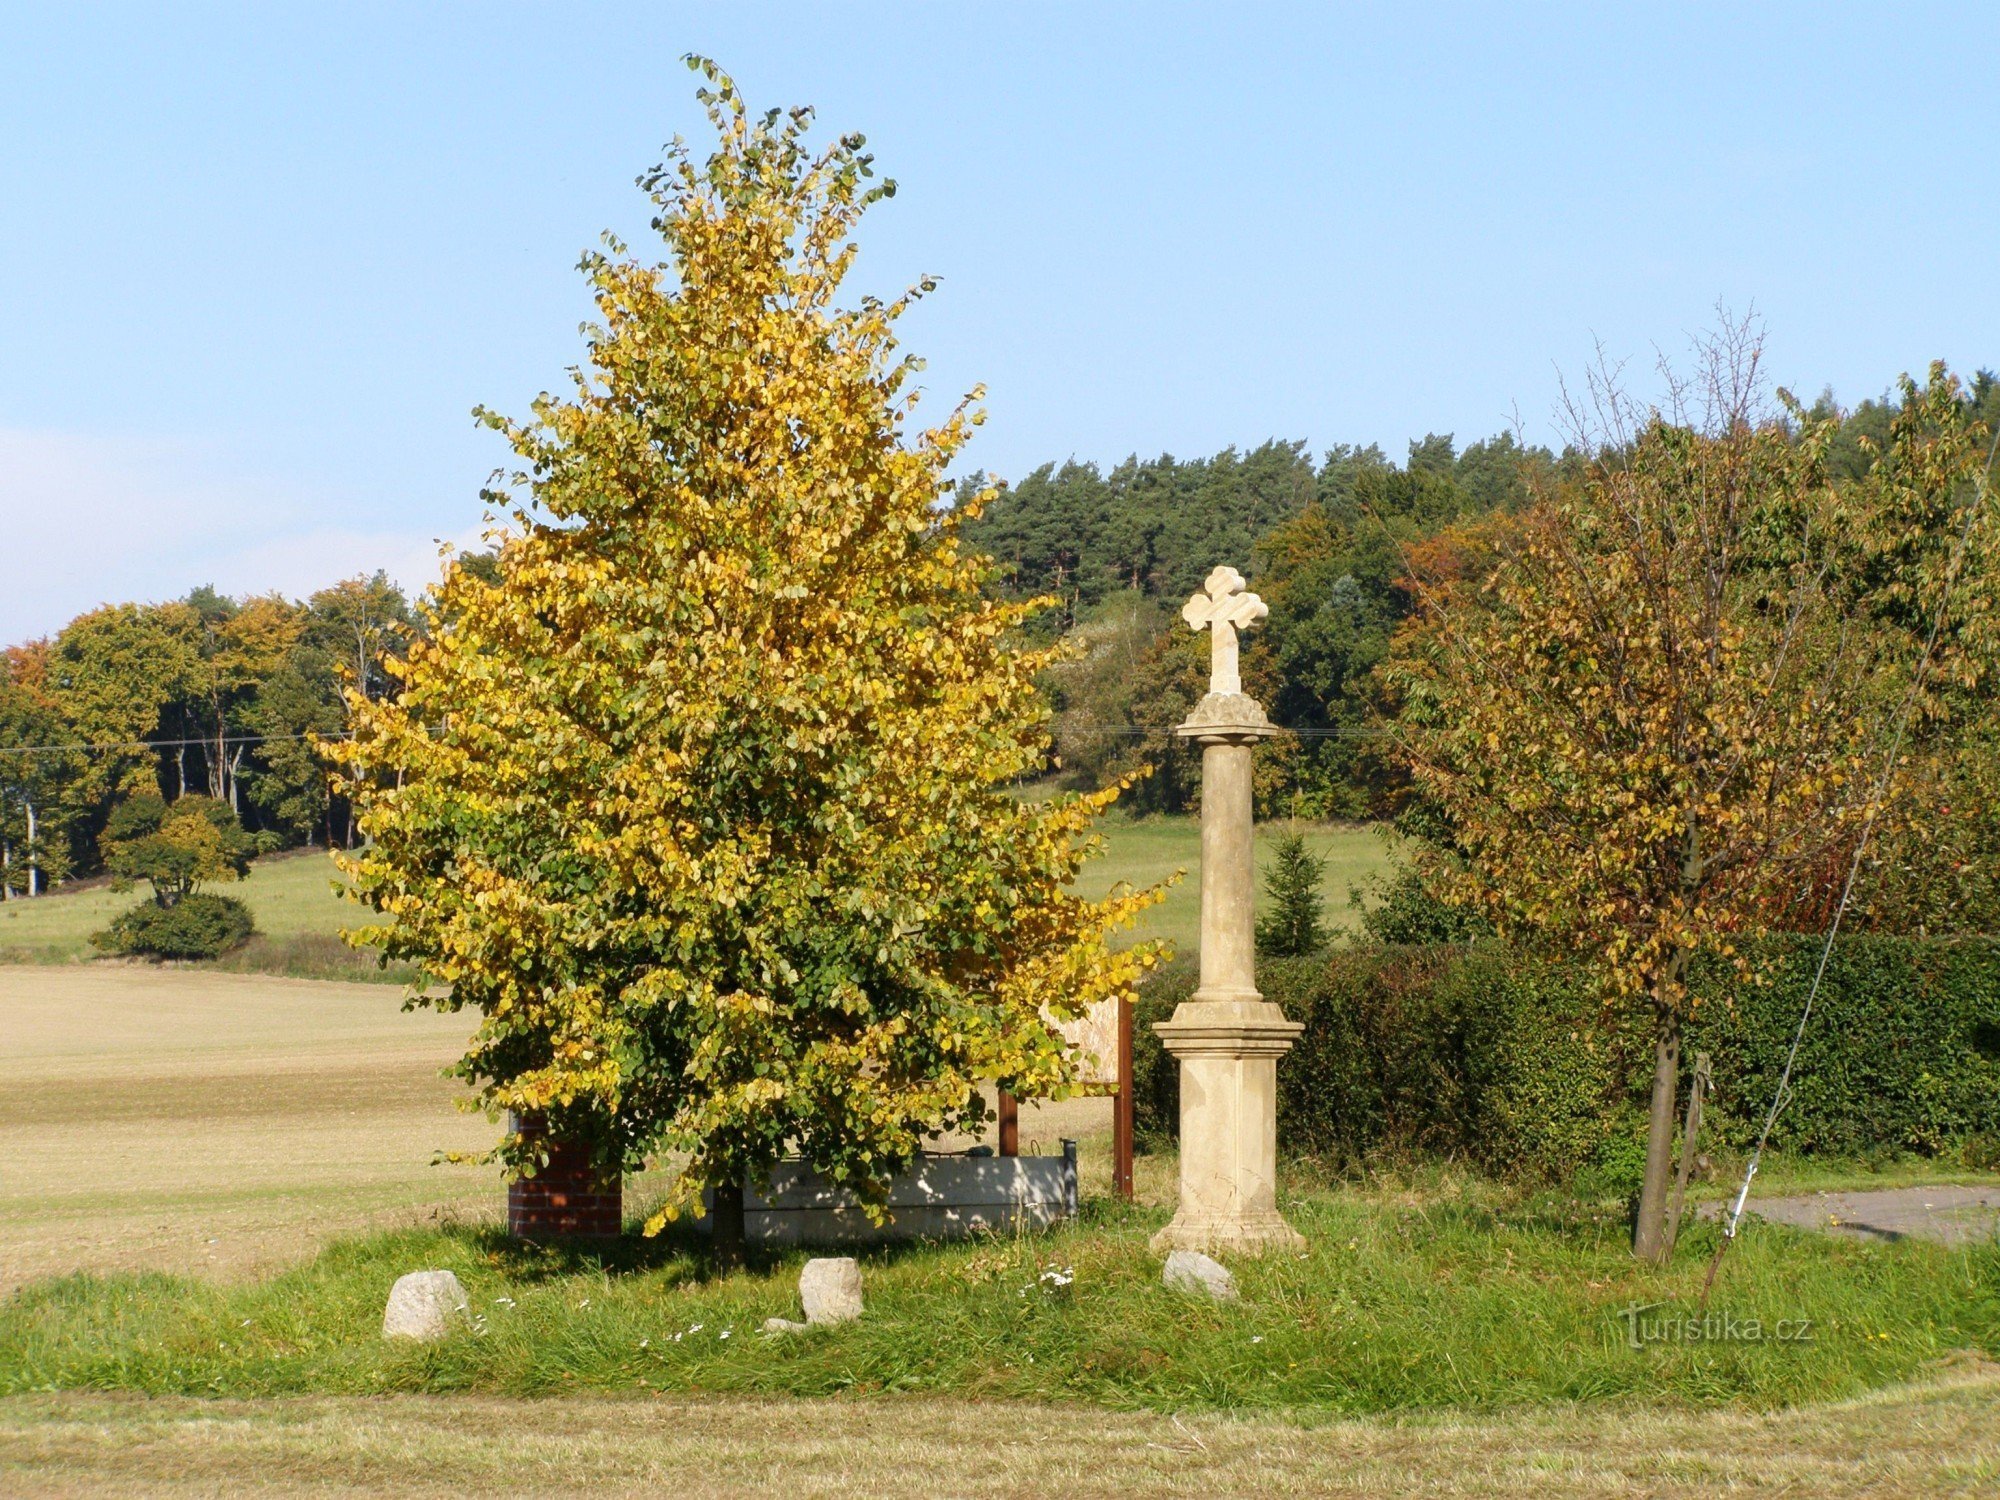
[(220, 696), (1332, 543), (204, 695)]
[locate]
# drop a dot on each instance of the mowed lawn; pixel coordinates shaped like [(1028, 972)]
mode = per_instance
[(299, 912), (1935, 1439), (1145, 851)]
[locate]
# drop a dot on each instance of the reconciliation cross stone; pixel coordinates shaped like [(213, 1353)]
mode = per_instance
[(1224, 608)]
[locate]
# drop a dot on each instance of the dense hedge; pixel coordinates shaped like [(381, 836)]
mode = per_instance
[(195, 926), (1502, 1058), (1902, 1053)]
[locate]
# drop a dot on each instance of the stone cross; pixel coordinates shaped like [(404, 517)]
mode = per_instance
[(1226, 1036), (1225, 609)]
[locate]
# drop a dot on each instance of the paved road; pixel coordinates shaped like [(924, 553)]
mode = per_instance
[(1949, 1215)]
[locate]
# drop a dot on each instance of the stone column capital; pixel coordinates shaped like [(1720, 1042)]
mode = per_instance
[(1227, 719)]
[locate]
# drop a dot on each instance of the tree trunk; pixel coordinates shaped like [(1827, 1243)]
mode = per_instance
[(1649, 1235), (1690, 1136), (32, 853), (726, 1226)]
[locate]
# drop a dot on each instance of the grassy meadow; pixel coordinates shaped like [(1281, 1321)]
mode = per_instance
[(293, 896), (299, 912), (1461, 1297), (208, 1181)]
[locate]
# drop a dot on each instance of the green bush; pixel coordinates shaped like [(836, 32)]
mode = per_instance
[(1434, 1052), (1403, 909), (1489, 1055), (196, 926), (1900, 1055)]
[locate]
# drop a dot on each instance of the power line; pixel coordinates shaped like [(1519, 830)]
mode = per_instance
[(1140, 731), (205, 742)]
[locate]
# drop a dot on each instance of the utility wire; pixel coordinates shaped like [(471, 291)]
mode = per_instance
[(1057, 731), (227, 739)]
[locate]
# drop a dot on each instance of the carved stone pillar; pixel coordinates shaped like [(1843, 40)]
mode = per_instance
[(1227, 1036)]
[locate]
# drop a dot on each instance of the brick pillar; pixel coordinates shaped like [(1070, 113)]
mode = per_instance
[(566, 1199)]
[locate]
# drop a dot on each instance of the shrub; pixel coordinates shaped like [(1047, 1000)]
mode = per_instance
[(1407, 911), (1897, 1057), (196, 926), (1438, 1051), (1501, 1058)]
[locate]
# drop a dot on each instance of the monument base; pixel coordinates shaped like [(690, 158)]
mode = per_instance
[(1248, 1234), (1228, 1043)]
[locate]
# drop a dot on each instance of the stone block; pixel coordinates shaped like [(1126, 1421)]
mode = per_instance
[(425, 1306), (1191, 1271), (830, 1289)]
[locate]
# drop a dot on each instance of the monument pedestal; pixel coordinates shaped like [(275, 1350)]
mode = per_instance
[(1228, 1051)]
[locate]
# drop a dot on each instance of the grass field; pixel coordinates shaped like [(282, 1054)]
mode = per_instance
[(299, 914), (1936, 1439), (183, 1120), (267, 1143), (1466, 1297), (292, 896), (245, 1160), (1147, 850), (180, 1120), (241, 1165)]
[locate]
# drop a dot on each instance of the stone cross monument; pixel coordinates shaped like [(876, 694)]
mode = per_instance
[(1227, 1036)]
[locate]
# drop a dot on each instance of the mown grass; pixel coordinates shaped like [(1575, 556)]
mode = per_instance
[(1472, 1298), (1934, 1438), (299, 913), (293, 897), (1145, 851)]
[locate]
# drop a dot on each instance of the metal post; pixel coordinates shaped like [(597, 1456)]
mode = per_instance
[(1122, 1105)]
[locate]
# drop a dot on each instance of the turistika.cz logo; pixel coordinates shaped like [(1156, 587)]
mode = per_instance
[(1654, 1323)]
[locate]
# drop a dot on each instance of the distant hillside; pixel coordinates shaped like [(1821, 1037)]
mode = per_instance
[(1158, 525)]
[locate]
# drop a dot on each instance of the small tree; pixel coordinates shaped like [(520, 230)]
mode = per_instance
[(701, 796), (1295, 923), (1660, 718), (175, 847)]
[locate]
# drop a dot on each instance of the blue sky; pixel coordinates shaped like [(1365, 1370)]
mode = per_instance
[(257, 264)]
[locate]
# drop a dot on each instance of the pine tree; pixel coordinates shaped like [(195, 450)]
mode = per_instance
[(1295, 924)]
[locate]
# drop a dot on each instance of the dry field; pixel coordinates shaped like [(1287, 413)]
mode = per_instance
[(184, 1120), (1941, 1439)]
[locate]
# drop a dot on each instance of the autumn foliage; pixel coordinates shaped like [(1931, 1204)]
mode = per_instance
[(1667, 707), (701, 797)]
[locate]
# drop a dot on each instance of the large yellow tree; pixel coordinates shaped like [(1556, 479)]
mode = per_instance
[(702, 797)]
